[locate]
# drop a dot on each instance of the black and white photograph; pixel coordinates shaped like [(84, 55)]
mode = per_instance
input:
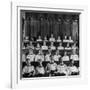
[(49, 44), (45, 45)]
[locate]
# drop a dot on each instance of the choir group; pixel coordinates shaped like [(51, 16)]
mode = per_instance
[(50, 57)]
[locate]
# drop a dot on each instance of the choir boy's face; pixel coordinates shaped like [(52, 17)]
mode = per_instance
[(44, 43), (65, 37), (60, 44), (69, 37), (52, 35), (38, 45), (27, 37), (67, 44), (65, 53), (39, 37), (59, 38), (45, 38)]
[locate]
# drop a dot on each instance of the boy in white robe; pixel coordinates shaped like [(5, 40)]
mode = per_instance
[(38, 47), (40, 71), (62, 69), (67, 47), (28, 70), (59, 39), (52, 39), (31, 56), (52, 47), (39, 56), (51, 67), (39, 39), (57, 56), (73, 70), (70, 40), (65, 39), (44, 47), (45, 39), (65, 57), (60, 47)]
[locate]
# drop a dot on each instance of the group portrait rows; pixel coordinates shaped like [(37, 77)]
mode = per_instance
[(46, 57)]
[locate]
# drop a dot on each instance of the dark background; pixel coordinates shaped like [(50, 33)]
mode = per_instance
[(35, 23)]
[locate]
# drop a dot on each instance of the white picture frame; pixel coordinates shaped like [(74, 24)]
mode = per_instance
[(16, 82)]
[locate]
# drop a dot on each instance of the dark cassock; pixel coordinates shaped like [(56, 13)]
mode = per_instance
[(23, 23), (60, 28), (66, 28), (57, 28), (42, 27), (34, 27), (38, 27), (75, 30), (46, 27), (23, 27), (51, 25), (27, 27)]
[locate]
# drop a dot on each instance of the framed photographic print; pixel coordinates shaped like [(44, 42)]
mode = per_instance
[(48, 45)]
